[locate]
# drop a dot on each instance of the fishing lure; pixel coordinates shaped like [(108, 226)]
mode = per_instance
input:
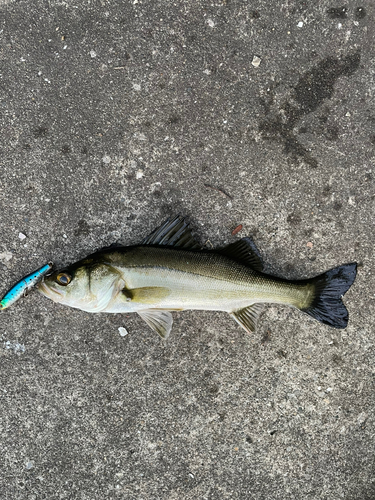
[(23, 286)]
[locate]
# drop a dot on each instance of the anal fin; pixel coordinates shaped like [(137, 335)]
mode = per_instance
[(248, 316), (159, 320)]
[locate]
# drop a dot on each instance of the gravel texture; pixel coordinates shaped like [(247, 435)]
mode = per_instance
[(115, 115)]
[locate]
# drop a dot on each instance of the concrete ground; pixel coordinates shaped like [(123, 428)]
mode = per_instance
[(116, 114)]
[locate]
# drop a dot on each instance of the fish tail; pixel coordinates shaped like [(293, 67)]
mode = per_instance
[(326, 305)]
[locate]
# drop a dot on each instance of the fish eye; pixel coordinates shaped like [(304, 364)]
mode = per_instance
[(63, 279)]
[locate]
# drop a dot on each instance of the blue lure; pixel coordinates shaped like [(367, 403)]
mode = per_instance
[(23, 286)]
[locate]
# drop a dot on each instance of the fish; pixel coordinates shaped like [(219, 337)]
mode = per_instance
[(169, 271), (23, 286)]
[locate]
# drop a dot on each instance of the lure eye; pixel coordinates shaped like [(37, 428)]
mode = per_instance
[(63, 279)]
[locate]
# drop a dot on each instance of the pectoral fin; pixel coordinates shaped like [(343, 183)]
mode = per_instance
[(248, 316), (159, 320), (146, 295)]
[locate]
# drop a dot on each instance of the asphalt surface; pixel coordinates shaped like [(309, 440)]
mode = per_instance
[(115, 115)]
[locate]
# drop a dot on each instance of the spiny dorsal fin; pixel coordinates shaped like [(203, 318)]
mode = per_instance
[(159, 320), (248, 316), (173, 232), (244, 251)]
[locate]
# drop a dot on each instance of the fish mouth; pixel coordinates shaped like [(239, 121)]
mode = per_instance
[(48, 291)]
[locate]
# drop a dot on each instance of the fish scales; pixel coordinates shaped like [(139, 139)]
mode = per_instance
[(215, 275)]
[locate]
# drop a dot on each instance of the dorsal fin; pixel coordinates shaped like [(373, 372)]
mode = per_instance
[(173, 232), (248, 316), (244, 251)]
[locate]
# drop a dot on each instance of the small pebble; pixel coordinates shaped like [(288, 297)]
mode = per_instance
[(123, 331), (300, 24), (139, 174), (210, 23), (92, 53), (140, 136), (106, 159), (309, 244), (22, 236), (256, 61), (14, 346), (362, 417), (6, 256)]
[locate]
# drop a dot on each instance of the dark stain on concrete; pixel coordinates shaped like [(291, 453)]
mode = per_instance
[(360, 13), (294, 219), (83, 228), (337, 205), (338, 12), (332, 133), (40, 132), (254, 14), (312, 89), (318, 84), (173, 119)]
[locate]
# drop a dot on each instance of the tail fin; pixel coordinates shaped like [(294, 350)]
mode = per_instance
[(327, 306)]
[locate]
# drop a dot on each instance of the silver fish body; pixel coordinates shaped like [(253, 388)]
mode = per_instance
[(168, 278), (168, 273)]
